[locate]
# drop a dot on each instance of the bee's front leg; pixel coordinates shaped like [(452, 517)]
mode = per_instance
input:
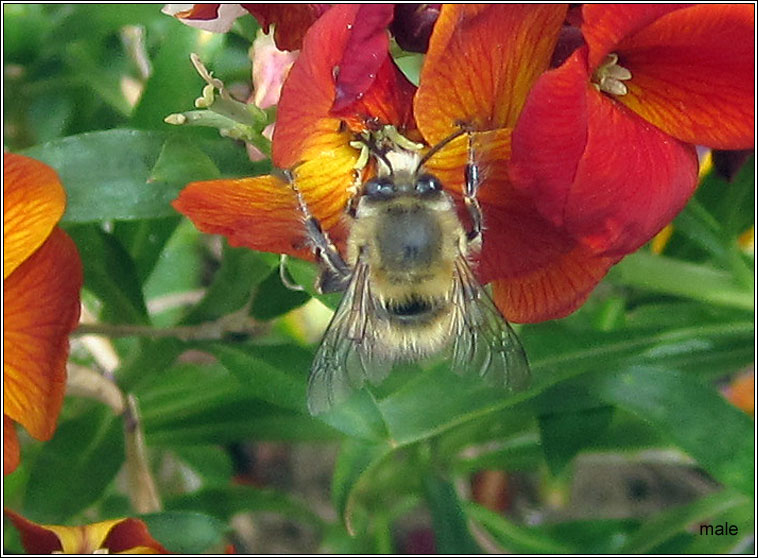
[(470, 190), (335, 272)]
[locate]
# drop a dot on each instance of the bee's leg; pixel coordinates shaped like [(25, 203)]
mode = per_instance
[(470, 190), (335, 271)]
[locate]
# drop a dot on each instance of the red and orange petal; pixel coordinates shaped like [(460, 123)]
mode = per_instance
[(117, 536), (260, 213), (481, 63), (11, 448), (604, 26), (306, 128), (593, 167), (693, 74), (291, 21), (537, 271), (41, 308), (33, 201)]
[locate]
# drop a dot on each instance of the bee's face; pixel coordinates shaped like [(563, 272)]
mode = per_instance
[(406, 224)]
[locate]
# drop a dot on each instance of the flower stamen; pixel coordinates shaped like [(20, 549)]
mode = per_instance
[(610, 76)]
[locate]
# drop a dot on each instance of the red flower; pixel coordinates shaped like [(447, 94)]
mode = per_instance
[(117, 536), (551, 235), (480, 66), (42, 279), (604, 142)]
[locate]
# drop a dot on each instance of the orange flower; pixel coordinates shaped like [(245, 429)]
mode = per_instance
[(479, 69), (117, 536), (42, 276)]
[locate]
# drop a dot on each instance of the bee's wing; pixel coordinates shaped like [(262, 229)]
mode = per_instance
[(485, 344), (345, 358)]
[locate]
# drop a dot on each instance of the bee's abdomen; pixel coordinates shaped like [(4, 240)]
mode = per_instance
[(409, 239)]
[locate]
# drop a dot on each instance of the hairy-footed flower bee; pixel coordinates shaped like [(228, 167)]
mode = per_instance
[(410, 292)]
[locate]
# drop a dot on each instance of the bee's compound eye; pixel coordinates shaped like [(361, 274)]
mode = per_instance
[(379, 187), (427, 183)]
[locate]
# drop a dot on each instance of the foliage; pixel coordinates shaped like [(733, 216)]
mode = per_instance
[(637, 368)]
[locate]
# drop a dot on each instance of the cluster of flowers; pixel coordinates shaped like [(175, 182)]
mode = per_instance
[(584, 122)]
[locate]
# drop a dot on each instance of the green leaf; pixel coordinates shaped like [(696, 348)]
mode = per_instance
[(241, 270), (106, 175), (273, 299), (669, 523), (694, 417), (356, 461), (255, 369), (451, 533), (186, 532), (224, 502), (110, 274), (566, 433), (74, 468), (515, 538), (674, 277), (174, 84), (145, 240)]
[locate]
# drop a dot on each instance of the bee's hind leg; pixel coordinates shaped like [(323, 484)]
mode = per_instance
[(470, 191), (335, 272)]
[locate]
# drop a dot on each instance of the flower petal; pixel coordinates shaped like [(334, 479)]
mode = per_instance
[(605, 25), (481, 62), (36, 539), (538, 272), (217, 18), (11, 449), (364, 53), (552, 291), (41, 309), (596, 169), (33, 200), (693, 74), (291, 21), (130, 534), (260, 213)]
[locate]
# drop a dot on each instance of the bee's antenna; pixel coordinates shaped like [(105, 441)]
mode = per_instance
[(429, 154)]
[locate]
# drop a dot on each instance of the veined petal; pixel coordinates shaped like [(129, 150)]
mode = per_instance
[(304, 127), (130, 536), (693, 74), (307, 128), (11, 449), (538, 271), (260, 213), (365, 51), (291, 21), (41, 309), (481, 62), (552, 291), (605, 25), (33, 201), (594, 168)]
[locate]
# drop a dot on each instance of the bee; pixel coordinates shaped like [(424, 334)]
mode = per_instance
[(409, 290)]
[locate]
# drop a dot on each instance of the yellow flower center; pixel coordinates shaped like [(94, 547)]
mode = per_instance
[(610, 76)]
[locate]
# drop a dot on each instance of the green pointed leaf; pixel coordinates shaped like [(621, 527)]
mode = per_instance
[(74, 468), (694, 417), (110, 274), (187, 532), (451, 532)]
